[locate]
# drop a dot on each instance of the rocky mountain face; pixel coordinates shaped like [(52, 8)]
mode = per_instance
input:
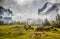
[(49, 7), (51, 10), (5, 15), (33, 11)]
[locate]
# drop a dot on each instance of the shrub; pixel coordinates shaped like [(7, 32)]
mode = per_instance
[(32, 28), (27, 27), (1, 22), (56, 24), (46, 22), (46, 28)]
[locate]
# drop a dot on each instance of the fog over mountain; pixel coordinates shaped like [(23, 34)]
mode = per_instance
[(24, 10)]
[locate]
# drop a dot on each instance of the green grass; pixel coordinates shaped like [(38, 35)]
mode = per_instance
[(11, 32)]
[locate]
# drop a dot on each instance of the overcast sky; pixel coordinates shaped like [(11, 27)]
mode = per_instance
[(24, 9)]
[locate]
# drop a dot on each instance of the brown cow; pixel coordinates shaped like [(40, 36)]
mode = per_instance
[(37, 34)]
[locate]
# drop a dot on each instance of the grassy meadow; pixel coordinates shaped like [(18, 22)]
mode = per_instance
[(19, 32)]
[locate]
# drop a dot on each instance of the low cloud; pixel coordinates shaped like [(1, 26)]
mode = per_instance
[(24, 9)]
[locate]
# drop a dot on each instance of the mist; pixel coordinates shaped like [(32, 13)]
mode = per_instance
[(24, 10)]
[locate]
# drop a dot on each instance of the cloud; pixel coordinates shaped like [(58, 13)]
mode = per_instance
[(53, 1), (23, 2), (24, 9)]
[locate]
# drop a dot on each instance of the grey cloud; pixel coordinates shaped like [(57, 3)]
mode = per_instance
[(28, 10)]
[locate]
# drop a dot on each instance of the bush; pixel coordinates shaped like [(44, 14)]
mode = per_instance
[(32, 28), (42, 29), (1, 22), (46, 22), (39, 29), (46, 28), (56, 24), (27, 27)]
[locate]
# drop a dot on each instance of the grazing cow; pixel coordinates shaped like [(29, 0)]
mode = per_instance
[(37, 34)]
